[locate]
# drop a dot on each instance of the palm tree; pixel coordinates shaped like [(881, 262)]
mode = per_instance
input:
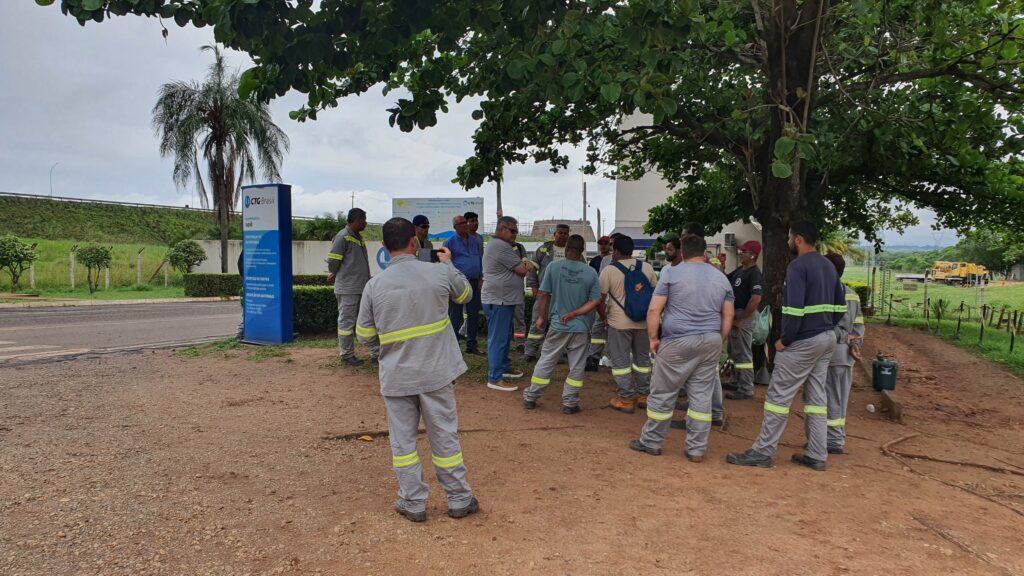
[(234, 137), (842, 242)]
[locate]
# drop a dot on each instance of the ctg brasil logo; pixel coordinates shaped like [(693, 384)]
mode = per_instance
[(258, 201), (247, 201)]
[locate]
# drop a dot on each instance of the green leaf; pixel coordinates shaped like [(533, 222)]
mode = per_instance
[(783, 147), (611, 92), (547, 59), (669, 107), (557, 47), (44, 2), (515, 69), (570, 78), (988, 62), (478, 114), (247, 83), (92, 4), (781, 169)]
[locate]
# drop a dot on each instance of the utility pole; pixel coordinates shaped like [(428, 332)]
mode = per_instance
[(51, 177), (353, 199), (583, 227), (599, 231)]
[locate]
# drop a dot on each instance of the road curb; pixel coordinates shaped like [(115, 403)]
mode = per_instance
[(74, 303)]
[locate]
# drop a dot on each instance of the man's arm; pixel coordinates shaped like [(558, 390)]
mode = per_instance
[(857, 338), (793, 310), (542, 300), (366, 327), (654, 321), (532, 277), (337, 254), (728, 311), (587, 308)]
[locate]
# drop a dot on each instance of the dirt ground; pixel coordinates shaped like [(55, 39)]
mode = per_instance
[(149, 463)]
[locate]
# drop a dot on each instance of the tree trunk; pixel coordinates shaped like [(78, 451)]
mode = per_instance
[(500, 213), (223, 210), (775, 257)]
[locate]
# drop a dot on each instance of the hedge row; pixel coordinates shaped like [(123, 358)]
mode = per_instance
[(197, 285), (316, 310), (861, 289)]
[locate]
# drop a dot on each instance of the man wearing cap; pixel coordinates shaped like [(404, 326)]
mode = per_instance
[(599, 330), (746, 285), (423, 243), (348, 269), (549, 252), (467, 257)]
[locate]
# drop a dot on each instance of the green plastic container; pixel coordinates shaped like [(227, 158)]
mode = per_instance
[(883, 373)]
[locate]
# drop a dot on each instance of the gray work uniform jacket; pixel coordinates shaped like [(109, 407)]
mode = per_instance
[(539, 263), (405, 309), (852, 323), (349, 262)]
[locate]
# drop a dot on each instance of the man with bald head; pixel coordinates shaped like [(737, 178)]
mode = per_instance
[(467, 257)]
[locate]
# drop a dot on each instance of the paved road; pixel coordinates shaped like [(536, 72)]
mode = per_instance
[(30, 334)]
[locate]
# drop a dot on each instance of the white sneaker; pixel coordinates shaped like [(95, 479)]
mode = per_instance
[(502, 385), (514, 373), (605, 362)]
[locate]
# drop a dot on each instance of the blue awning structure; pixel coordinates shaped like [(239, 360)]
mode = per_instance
[(641, 241)]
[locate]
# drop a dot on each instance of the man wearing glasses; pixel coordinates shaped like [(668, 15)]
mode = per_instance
[(423, 243), (504, 271), (467, 256)]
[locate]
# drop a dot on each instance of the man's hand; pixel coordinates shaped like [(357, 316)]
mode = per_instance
[(331, 277), (539, 324), (566, 318), (855, 352), (444, 255), (534, 291), (779, 346), (655, 344), (737, 323)]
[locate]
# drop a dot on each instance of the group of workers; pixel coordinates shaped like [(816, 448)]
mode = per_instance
[(663, 336)]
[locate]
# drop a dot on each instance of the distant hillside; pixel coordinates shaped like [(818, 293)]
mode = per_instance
[(83, 221)]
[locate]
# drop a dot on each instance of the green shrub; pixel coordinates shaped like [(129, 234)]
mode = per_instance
[(316, 310), (186, 255), (15, 257), (95, 258), (310, 280), (861, 289), (201, 285)]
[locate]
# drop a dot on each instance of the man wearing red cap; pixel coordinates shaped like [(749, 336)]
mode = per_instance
[(746, 285)]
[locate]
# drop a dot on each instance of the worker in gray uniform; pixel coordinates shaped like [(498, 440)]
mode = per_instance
[(424, 246), (746, 285), (569, 293), (813, 303), (405, 312), (519, 329), (549, 252), (599, 329), (849, 337), (349, 268), (697, 302)]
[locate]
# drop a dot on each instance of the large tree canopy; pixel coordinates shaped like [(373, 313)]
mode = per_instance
[(847, 112)]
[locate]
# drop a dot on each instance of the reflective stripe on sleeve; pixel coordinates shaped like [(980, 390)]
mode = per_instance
[(783, 410), (836, 422), (641, 369), (598, 341), (858, 320), (852, 298), (405, 461), (540, 381), (816, 309), (465, 296), (659, 416), (354, 240), (364, 332), (335, 256), (621, 371), (744, 366), (446, 461), (536, 336), (574, 383), (813, 409), (414, 332), (699, 416)]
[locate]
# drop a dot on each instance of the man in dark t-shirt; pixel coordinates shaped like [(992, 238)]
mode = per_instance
[(746, 285)]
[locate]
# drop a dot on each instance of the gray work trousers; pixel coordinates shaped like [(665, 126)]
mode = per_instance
[(534, 338), (838, 384), (598, 339), (442, 424), (348, 312), (630, 353), (519, 325), (555, 344), (686, 363), (803, 364), (742, 355), (717, 408)]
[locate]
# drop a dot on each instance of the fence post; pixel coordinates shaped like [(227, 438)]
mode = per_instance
[(138, 267), (106, 278), (165, 274), (981, 332), (959, 318), (32, 276), (72, 256), (888, 321)]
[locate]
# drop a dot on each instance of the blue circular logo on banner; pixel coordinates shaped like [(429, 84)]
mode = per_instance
[(246, 200), (383, 258)]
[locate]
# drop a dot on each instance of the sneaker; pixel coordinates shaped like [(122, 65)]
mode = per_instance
[(695, 458), (529, 404), (466, 510), (352, 361), (640, 447), (571, 409), (411, 516), (592, 365), (832, 450), (804, 460), (475, 353), (720, 422), (641, 400), (738, 396), (605, 362), (513, 373), (750, 458), (627, 405), (502, 385)]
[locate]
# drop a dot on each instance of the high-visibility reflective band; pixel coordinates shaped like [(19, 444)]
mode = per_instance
[(531, 263), (783, 410), (836, 422), (335, 256), (536, 336), (744, 366), (465, 296), (641, 369), (354, 240), (812, 409), (621, 371), (540, 381), (816, 309), (852, 298), (598, 341), (344, 332), (858, 320), (574, 383), (700, 416), (659, 416), (404, 461), (364, 332), (414, 332), (446, 462)]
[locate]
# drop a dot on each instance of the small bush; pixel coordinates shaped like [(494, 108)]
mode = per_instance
[(15, 257), (95, 258), (315, 309), (141, 288), (861, 289), (186, 255), (202, 285), (310, 280)]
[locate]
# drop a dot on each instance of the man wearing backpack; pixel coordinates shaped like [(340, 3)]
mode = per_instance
[(628, 284), (746, 285)]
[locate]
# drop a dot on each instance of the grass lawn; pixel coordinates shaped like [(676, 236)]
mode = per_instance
[(997, 294), (122, 293)]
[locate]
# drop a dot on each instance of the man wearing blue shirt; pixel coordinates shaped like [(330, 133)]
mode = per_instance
[(467, 256)]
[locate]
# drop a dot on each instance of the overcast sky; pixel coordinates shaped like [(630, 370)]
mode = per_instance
[(82, 97)]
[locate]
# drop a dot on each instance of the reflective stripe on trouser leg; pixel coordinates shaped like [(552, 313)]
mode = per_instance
[(741, 353), (620, 352), (598, 339), (576, 347), (816, 406), (640, 347), (550, 352), (674, 367), (403, 414), (348, 311), (802, 363), (700, 388), (442, 424), (534, 338), (837, 387)]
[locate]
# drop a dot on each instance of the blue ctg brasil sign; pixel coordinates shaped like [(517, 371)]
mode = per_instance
[(267, 263)]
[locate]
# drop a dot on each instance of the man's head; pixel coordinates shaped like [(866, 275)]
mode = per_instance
[(622, 247), (507, 229), (803, 236), (672, 253), (561, 235), (422, 224), (604, 246), (692, 247), (460, 226), (472, 221), (749, 252), (399, 236), (838, 261), (574, 247), (692, 229), (356, 219)]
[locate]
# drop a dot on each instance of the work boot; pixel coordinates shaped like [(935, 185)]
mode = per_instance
[(352, 361), (739, 396), (592, 365), (640, 447), (695, 458), (835, 450), (641, 400), (805, 460), (466, 510), (750, 458), (627, 405), (730, 386), (571, 409), (411, 516), (529, 404), (530, 358)]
